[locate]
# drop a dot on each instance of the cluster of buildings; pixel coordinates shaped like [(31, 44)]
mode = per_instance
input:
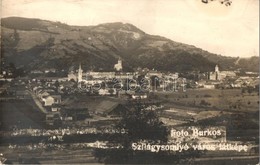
[(91, 78), (220, 75), (209, 80), (50, 98), (47, 92), (227, 79)]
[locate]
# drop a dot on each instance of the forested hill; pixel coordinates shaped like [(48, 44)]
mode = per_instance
[(40, 44)]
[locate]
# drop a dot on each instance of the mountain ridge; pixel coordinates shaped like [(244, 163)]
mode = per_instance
[(38, 44)]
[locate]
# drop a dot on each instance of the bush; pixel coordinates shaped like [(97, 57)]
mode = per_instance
[(204, 103)]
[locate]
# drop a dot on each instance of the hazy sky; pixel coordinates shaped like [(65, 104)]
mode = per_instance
[(230, 31)]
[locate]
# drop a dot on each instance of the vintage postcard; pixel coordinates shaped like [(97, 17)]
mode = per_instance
[(129, 82)]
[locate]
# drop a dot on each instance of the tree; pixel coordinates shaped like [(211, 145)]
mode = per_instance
[(243, 90), (16, 37), (249, 90), (140, 125), (57, 84), (204, 103)]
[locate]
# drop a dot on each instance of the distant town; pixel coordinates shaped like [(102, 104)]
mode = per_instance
[(48, 91), (90, 102)]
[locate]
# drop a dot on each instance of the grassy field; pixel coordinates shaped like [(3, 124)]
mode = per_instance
[(229, 108), (237, 111), (20, 114), (46, 156), (97, 104), (229, 99)]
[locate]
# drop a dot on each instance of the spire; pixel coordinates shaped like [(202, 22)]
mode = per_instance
[(216, 68), (80, 73), (118, 66)]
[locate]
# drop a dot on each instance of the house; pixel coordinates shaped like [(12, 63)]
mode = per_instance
[(36, 72), (154, 73), (48, 100), (220, 75), (252, 74), (209, 86), (52, 70), (171, 76), (93, 82), (51, 99), (50, 79), (200, 83), (118, 66), (55, 108), (139, 96), (109, 91), (98, 75), (127, 75), (246, 81), (39, 91), (41, 94)]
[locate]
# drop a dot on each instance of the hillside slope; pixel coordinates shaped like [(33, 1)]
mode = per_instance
[(40, 44)]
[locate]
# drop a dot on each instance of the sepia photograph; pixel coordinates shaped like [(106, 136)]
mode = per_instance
[(129, 82)]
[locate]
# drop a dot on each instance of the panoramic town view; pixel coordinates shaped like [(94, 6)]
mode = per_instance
[(113, 94)]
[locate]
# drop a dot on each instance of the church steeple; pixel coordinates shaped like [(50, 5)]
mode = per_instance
[(217, 72), (118, 66), (216, 68), (80, 71)]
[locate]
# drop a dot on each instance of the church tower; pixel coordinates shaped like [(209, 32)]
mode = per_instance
[(217, 72), (118, 66), (216, 68), (80, 71)]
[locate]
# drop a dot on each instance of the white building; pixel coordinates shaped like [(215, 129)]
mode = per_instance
[(80, 71), (51, 99), (98, 75), (118, 66), (220, 75)]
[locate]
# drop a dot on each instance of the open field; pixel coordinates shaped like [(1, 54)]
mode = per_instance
[(231, 99), (46, 156), (229, 108), (20, 114), (98, 104), (238, 112), (74, 155)]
